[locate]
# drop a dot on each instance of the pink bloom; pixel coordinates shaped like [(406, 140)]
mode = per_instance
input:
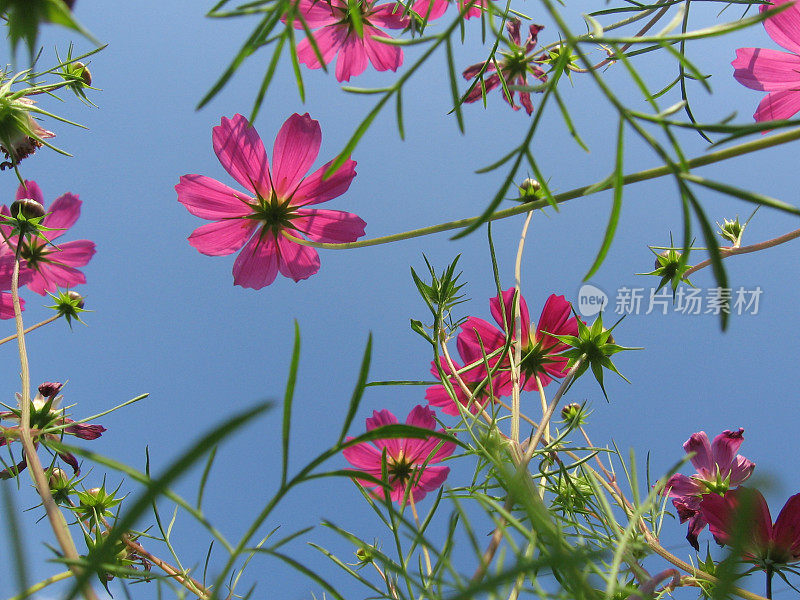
[(337, 35), (20, 134), (762, 542), (539, 348), (409, 461), (262, 219), (774, 71), (515, 65), (50, 266), (436, 8), (719, 468)]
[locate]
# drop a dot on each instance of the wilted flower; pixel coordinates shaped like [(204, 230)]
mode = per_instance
[(719, 468), (20, 134), (274, 208), (45, 414), (514, 67), (409, 462)]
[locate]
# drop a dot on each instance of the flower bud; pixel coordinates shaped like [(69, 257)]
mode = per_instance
[(732, 231), (50, 388), (29, 208), (573, 414), (75, 297), (529, 189), (78, 69), (57, 479)]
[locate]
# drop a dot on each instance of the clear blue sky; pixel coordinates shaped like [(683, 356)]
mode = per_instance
[(169, 322)]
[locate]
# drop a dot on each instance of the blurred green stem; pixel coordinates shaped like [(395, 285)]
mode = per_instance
[(41, 585)]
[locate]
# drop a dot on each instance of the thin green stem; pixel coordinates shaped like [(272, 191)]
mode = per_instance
[(645, 175), (31, 328), (42, 584)]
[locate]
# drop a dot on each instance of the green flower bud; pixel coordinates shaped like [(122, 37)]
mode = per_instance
[(573, 414), (732, 231), (78, 69)]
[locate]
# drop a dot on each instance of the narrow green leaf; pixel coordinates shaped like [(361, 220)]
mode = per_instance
[(358, 392), (287, 404), (204, 479), (451, 72)]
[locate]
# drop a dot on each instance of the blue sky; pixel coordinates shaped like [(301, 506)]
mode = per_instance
[(169, 322)]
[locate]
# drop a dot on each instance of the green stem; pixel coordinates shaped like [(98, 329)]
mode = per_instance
[(31, 328), (41, 585), (654, 173), (726, 252)]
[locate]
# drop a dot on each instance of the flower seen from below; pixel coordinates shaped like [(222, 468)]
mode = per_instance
[(338, 35), (473, 379), (540, 349), (20, 133), (742, 517), (263, 221), (514, 67), (719, 468), (436, 8), (48, 266), (774, 71), (410, 462), (45, 413)]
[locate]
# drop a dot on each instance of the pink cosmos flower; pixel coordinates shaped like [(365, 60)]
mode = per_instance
[(409, 461), (433, 9), (763, 542), (337, 35), (539, 347), (719, 468), (774, 71), (50, 266), (264, 219), (515, 65)]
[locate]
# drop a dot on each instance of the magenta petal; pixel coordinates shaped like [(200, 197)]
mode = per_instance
[(379, 419), (428, 9), (352, 59), (295, 260), (257, 263), (63, 213), (30, 189), (778, 105), (508, 308), (786, 531), (51, 276), (703, 459), (557, 319), (384, 57), (315, 189), (222, 237), (741, 470), (391, 16), (489, 84), (363, 456), (431, 479), (680, 486), (478, 338), (784, 28), (329, 39), (766, 70), (316, 13), (421, 416), (7, 305), (74, 254), (296, 148), (209, 199), (725, 447), (241, 152), (333, 226)]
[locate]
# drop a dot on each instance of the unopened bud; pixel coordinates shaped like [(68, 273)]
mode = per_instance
[(571, 411), (530, 185), (57, 479), (75, 296), (666, 254), (50, 388), (79, 69), (29, 208)]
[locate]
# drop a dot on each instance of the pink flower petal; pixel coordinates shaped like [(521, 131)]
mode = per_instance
[(331, 226), (241, 152), (680, 486), (317, 13), (209, 199), (508, 308), (766, 70), (49, 277), (352, 59), (257, 263), (329, 40), (784, 28), (363, 456), (703, 459), (429, 9), (315, 189), (390, 16), (786, 531), (30, 189), (62, 214), (489, 84), (74, 254), (295, 260), (222, 237), (296, 148), (778, 105), (725, 447), (556, 318), (7, 305), (384, 57)]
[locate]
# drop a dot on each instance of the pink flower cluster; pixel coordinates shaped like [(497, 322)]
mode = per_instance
[(411, 464), (735, 515), (44, 267)]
